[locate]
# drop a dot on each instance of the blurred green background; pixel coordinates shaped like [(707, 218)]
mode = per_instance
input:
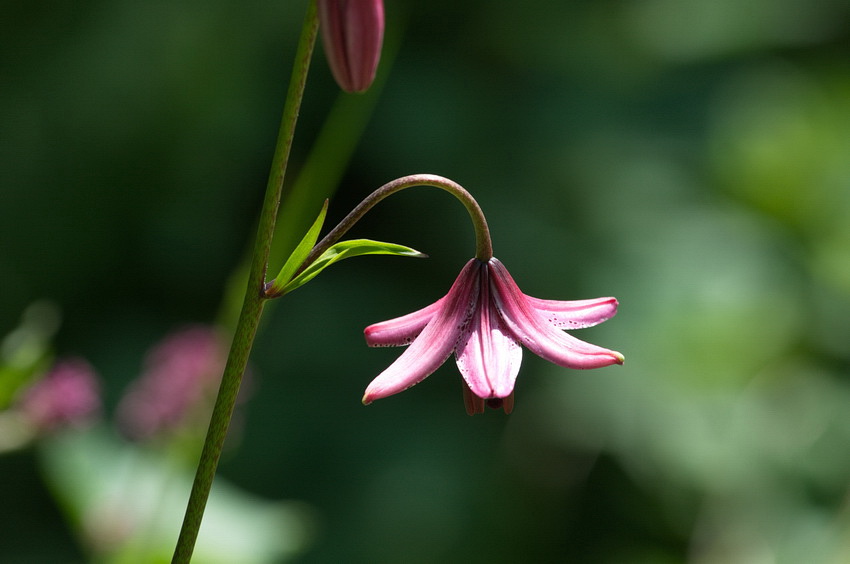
[(691, 158)]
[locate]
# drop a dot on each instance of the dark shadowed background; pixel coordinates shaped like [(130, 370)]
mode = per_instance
[(691, 158)]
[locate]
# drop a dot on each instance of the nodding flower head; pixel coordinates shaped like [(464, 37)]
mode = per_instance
[(352, 33), (484, 319)]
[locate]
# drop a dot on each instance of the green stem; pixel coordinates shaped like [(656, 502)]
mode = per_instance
[(483, 243), (252, 306)]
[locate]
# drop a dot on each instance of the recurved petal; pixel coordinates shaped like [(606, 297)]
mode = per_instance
[(401, 330), (488, 356), (436, 341), (575, 314), (531, 329)]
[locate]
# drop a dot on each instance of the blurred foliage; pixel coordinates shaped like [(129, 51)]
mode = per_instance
[(689, 158), (25, 351), (129, 503)]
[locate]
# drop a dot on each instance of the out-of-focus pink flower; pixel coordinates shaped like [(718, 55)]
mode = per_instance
[(179, 373), (483, 320), (67, 396), (352, 33)]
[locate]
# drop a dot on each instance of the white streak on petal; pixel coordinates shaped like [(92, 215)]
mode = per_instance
[(487, 355)]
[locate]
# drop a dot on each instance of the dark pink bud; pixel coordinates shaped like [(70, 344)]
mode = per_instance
[(352, 33), (67, 396)]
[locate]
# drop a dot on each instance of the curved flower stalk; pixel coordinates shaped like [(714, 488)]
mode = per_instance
[(484, 319)]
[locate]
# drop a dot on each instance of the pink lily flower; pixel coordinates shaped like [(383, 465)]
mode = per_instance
[(484, 319)]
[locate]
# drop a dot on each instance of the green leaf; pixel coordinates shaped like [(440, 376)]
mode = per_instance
[(347, 249), (299, 254)]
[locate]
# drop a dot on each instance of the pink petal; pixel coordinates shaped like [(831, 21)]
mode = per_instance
[(575, 314), (401, 330), (488, 356), (436, 341), (534, 331)]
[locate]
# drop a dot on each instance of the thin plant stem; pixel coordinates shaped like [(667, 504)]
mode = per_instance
[(252, 306)]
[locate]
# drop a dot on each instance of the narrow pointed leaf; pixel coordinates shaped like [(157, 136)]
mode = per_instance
[(348, 249), (299, 254)]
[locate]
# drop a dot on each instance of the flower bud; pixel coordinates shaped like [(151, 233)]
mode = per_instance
[(352, 33)]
